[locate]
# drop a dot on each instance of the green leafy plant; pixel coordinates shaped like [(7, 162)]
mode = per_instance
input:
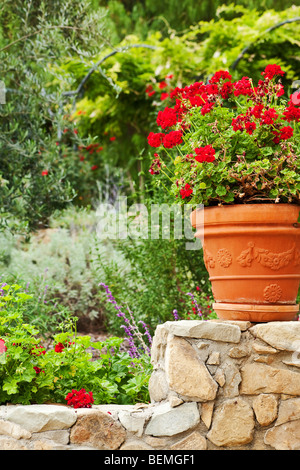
[(230, 141), (29, 373)]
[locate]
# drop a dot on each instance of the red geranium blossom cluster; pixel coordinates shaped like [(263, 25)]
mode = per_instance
[(166, 118), (59, 347), (188, 121), (80, 399), (271, 71), (205, 154), (186, 191)]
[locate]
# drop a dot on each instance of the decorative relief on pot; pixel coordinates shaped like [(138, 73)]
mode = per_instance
[(224, 258), (208, 259), (272, 293), (268, 259)]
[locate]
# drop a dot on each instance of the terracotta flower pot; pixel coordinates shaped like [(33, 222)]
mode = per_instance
[(252, 254)]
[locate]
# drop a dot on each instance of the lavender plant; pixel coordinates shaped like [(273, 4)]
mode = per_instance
[(131, 328)]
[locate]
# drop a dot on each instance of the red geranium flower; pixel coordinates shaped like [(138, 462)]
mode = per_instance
[(164, 96), (155, 139), (186, 191), (271, 71), (269, 116), (162, 85), (205, 154), (292, 113), (80, 399), (284, 133), (166, 118), (59, 347), (243, 87), (220, 75), (172, 139)]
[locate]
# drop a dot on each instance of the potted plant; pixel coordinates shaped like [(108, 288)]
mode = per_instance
[(233, 147)]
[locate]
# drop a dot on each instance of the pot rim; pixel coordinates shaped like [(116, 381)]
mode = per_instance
[(281, 213)]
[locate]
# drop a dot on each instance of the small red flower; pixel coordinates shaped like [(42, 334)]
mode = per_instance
[(155, 139), (205, 154), (284, 133), (220, 75), (166, 118), (250, 127), (112, 139), (291, 113), (269, 116), (164, 96), (162, 85), (186, 191), (80, 399), (59, 347), (243, 87), (271, 71), (94, 167), (45, 172), (172, 139)]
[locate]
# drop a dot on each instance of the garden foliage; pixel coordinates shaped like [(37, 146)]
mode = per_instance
[(31, 374)]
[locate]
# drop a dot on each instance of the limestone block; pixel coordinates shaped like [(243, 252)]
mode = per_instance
[(7, 428), (260, 378), (158, 386), (263, 348), (168, 421), (214, 358), (265, 408), (59, 436), (36, 418), (187, 375), (9, 443), (112, 409), (158, 345), (232, 380), (238, 352), (220, 377), (194, 441), (134, 421), (135, 445), (242, 324), (215, 331), (233, 424), (207, 412), (98, 430), (284, 437), (174, 399), (289, 410), (280, 335)]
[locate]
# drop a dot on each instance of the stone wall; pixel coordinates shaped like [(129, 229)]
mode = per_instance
[(215, 385)]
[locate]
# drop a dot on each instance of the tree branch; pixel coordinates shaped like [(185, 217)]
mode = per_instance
[(240, 56), (92, 70)]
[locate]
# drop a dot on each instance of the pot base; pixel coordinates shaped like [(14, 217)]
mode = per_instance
[(256, 313)]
